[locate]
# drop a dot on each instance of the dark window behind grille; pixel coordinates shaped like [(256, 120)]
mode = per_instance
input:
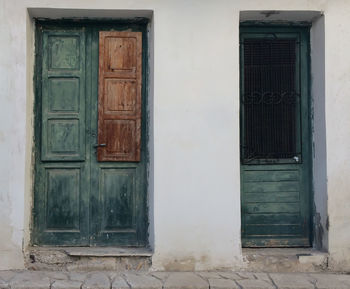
[(269, 99)]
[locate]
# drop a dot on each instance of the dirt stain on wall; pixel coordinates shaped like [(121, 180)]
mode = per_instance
[(11, 254)]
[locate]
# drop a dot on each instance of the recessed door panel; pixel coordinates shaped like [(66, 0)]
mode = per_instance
[(63, 95), (63, 199), (64, 51), (117, 187)]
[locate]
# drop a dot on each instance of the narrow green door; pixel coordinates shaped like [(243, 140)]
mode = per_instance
[(80, 200), (275, 137)]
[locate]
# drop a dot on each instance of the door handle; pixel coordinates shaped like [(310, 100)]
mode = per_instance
[(100, 145)]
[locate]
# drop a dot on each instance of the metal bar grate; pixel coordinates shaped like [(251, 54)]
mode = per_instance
[(269, 99)]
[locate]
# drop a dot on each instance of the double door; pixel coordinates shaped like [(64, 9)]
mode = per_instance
[(90, 134)]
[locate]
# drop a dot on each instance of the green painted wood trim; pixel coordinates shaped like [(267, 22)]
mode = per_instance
[(275, 243), (275, 24)]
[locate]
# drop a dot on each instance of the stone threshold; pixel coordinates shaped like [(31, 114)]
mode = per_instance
[(285, 259), (88, 258), (108, 252), (99, 251)]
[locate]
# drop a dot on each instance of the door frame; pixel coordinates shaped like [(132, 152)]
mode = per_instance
[(139, 24), (306, 128)]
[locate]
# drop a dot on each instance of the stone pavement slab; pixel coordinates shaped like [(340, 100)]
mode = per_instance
[(142, 281), (325, 281), (66, 284), (57, 275), (119, 283), (223, 284), (7, 275), (77, 276), (30, 280), (185, 280), (264, 277), (97, 281), (170, 280), (246, 275), (4, 285), (255, 284), (162, 276), (291, 281), (230, 275), (209, 275)]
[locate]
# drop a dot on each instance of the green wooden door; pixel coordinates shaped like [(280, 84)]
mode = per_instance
[(78, 200), (275, 137)]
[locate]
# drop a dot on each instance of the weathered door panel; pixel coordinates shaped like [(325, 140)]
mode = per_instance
[(115, 206), (274, 206), (63, 96), (61, 218), (60, 201), (79, 201), (275, 140)]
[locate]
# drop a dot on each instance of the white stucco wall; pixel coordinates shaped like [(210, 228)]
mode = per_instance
[(195, 177), (338, 139), (12, 133)]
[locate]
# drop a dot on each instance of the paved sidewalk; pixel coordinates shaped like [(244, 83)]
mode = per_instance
[(173, 280)]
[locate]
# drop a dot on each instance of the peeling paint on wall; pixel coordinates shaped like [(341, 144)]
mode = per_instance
[(318, 231)]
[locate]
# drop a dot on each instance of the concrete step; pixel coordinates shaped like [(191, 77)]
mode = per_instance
[(88, 258), (285, 260)]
